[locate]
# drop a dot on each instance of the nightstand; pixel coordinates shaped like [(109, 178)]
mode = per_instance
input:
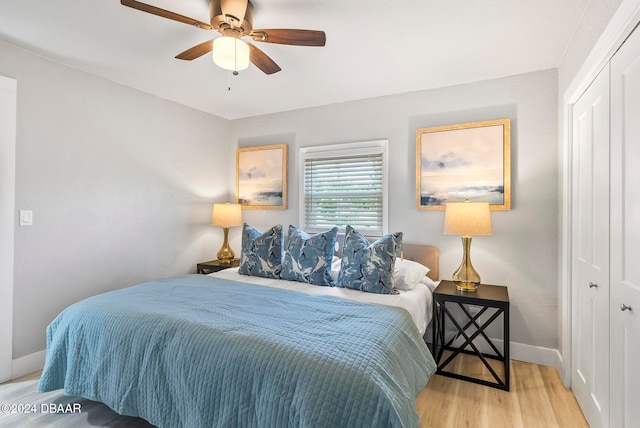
[(215, 266), (471, 313)]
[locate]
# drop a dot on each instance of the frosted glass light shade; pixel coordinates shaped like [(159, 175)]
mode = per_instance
[(230, 53), (226, 215)]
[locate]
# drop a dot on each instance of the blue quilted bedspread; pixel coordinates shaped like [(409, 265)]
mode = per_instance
[(198, 351)]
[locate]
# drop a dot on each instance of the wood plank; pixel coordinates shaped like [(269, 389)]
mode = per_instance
[(561, 400), (537, 399)]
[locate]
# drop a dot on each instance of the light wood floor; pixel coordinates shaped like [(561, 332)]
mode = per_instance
[(537, 399)]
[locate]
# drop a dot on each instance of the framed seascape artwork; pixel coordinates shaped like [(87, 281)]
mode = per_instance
[(261, 177), (469, 161)]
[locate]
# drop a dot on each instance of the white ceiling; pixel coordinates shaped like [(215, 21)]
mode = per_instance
[(373, 48)]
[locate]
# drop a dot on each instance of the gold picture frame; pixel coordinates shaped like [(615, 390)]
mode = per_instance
[(261, 177), (464, 161)]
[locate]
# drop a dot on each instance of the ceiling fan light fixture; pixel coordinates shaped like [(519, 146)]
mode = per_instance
[(230, 53)]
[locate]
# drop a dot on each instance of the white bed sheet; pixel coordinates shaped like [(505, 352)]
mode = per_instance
[(418, 301)]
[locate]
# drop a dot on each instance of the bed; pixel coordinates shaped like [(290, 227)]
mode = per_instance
[(229, 350)]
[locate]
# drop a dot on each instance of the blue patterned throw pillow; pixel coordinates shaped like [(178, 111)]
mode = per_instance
[(369, 267), (261, 252), (308, 257)]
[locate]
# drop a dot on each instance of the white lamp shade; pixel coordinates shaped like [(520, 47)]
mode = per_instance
[(467, 219), (226, 215), (230, 53)]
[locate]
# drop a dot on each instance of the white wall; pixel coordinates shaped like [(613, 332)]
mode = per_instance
[(121, 185), (522, 253), (594, 19)]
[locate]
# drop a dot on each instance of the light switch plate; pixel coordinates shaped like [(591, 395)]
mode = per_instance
[(26, 218)]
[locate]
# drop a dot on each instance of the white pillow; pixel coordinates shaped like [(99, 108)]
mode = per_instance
[(430, 283), (335, 267), (408, 273)]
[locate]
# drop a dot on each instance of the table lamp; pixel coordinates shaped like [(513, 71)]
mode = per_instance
[(467, 219), (226, 215)]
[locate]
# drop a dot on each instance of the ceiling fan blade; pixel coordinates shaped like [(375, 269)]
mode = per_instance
[(290, 37), (196, 51), (165, 13), (262, 60)]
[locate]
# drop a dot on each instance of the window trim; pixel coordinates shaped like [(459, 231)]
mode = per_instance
[(346, 149)]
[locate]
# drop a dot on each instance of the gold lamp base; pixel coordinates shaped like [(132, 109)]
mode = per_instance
[(225, 254), (466, 286), (466, 277)]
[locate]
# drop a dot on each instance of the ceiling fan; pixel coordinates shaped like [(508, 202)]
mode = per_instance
[(234, 20)]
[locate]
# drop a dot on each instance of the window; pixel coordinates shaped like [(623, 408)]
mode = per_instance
[(344, 184)]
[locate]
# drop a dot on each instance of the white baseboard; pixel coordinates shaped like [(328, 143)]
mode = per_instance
[(536, 355), (521, 352), (27, 364)]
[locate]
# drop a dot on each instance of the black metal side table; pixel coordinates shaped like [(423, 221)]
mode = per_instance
[(493, 301), (216, 265)]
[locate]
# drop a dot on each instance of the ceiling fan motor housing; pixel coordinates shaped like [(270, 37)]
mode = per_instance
[(234, 15)]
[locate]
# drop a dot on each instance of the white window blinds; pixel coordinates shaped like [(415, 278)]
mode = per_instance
[(343, 185)]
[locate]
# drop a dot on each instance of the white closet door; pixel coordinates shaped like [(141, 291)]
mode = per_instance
[(590, 251), (625, 234)]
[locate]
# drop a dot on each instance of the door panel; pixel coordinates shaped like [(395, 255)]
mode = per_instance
[(8, 88), (590, 251), (625, 234)]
